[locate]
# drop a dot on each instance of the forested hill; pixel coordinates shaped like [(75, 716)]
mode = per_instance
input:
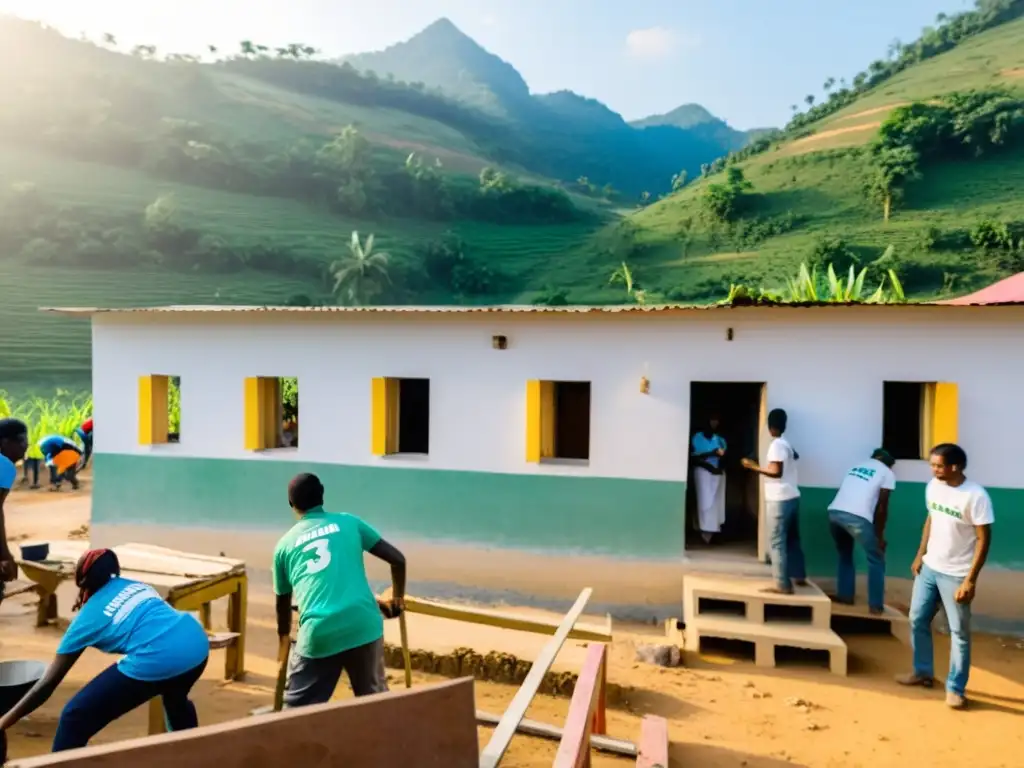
[(563, 135), (914, 165)]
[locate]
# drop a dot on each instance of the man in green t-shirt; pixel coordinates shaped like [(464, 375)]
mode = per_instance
[(320, 561)]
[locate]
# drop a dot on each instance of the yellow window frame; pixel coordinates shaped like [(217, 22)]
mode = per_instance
[(940, 416), (540, 420), (384, 400), (263, 413), (154, 422)]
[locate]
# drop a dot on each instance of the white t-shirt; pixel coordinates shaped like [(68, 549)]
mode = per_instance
[(861, 488), (785, 487), (954, 513)]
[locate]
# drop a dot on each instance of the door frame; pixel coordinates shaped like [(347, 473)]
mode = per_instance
[(764, 438)]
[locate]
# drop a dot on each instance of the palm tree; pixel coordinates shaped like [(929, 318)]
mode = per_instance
[(361, 273)]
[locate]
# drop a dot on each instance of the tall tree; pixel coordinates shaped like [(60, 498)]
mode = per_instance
[(361, 274)]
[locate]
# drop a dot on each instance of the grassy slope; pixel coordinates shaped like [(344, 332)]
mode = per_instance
[(826, 187), (45, 351)]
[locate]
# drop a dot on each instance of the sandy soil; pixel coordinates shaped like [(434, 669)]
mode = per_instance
[(722, 710), (1013, 73)]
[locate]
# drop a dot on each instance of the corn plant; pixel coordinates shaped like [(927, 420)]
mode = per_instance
[(59, 415)]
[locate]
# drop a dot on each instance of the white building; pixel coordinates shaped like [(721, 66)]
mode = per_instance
[(533, 451)]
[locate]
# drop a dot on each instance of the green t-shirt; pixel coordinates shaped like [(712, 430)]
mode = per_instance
[(320, 561)]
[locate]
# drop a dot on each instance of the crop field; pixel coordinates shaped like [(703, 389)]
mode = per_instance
[(46, 351)]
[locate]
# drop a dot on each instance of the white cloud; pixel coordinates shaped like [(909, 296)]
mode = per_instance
[(655, 42), (489, 20)]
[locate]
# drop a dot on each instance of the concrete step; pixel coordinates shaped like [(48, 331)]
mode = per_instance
[(899, 623), (713, 595), (767, 637)]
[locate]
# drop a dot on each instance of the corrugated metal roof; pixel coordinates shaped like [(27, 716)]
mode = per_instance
[(496, 309)]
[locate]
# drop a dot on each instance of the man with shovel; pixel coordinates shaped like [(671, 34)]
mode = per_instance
[(320, 562)]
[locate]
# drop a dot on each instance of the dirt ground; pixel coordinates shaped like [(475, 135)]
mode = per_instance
[(722, 711)]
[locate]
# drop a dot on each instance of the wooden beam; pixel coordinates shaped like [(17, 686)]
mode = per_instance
[(574, 749), (506, 728), (502, 620), (653, 743), (612, 746)]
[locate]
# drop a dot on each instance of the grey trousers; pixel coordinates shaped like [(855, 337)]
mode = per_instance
[(312, 681)]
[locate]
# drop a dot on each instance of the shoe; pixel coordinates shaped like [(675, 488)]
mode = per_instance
[(777, 591), (876, 611), (955, 701), (914, 679), (800, 582)]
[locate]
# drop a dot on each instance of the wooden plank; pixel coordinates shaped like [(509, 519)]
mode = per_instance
[(506, 729), (436, 724), (612, 746), (492, 618), (574, 749), (653, 743)]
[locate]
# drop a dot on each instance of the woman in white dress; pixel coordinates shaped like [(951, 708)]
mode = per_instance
[(706, 451)]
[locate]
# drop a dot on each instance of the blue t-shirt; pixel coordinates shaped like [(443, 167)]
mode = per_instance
[(8, 473), (54, 444), (702, 444), (130, 618)]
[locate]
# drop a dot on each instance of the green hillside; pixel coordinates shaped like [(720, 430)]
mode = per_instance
[(128, 179), (957, 227)]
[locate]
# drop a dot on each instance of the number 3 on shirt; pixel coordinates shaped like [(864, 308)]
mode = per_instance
[(323, 555)]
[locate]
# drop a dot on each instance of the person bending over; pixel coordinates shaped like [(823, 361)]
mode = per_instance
[(62, 457), (858, 513), (341, 627), (164, 653)]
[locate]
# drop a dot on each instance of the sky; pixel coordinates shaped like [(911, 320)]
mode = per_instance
[(747, 61)]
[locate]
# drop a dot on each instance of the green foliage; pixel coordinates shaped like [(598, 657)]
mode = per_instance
[(950, 32), (727, 202), (289, 399), (61, 414), (811, 287), (448, 265), (361, 274)]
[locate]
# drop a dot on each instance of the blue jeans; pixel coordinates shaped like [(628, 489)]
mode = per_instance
[(931, 587), (112, 694), (847, 528), (784, 548)]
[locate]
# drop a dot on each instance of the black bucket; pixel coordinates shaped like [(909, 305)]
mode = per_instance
[(16, 679)]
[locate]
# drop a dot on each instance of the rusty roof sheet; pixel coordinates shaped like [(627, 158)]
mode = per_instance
[(495, 309)]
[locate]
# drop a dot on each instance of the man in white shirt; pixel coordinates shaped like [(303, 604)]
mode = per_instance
[(858, 514), (954, 545), (782, 508)]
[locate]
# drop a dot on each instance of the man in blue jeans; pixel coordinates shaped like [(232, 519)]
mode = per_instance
[(954, 546), (858, 514), (782, 508)]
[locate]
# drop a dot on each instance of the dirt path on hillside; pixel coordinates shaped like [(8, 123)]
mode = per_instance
[(1013, 74), (722, 710), (810, 143)]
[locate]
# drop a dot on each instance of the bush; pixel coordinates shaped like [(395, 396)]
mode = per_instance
[(832, 250)]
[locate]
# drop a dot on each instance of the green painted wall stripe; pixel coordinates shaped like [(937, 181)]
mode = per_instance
[(541, 513), (608, 516)]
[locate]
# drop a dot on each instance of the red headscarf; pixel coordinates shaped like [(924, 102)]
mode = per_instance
[(94, 569)]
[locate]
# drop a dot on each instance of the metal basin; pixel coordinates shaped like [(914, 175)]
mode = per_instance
[(16, 679)]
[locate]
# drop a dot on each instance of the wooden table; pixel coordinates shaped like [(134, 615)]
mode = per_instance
[(187, 581)]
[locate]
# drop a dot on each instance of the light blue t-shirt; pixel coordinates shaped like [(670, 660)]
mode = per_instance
[(8, 473), (702, 444), (54, 444), (130, 618)]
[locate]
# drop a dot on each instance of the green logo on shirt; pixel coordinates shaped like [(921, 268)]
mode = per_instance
[(863, 473), (934, 506)]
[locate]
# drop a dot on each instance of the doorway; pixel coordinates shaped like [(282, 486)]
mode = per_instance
[(739, 406)]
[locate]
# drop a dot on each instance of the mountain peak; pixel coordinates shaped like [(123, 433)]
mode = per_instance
[(443, 56)]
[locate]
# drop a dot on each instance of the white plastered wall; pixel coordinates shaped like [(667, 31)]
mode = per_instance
[(824, 366)]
